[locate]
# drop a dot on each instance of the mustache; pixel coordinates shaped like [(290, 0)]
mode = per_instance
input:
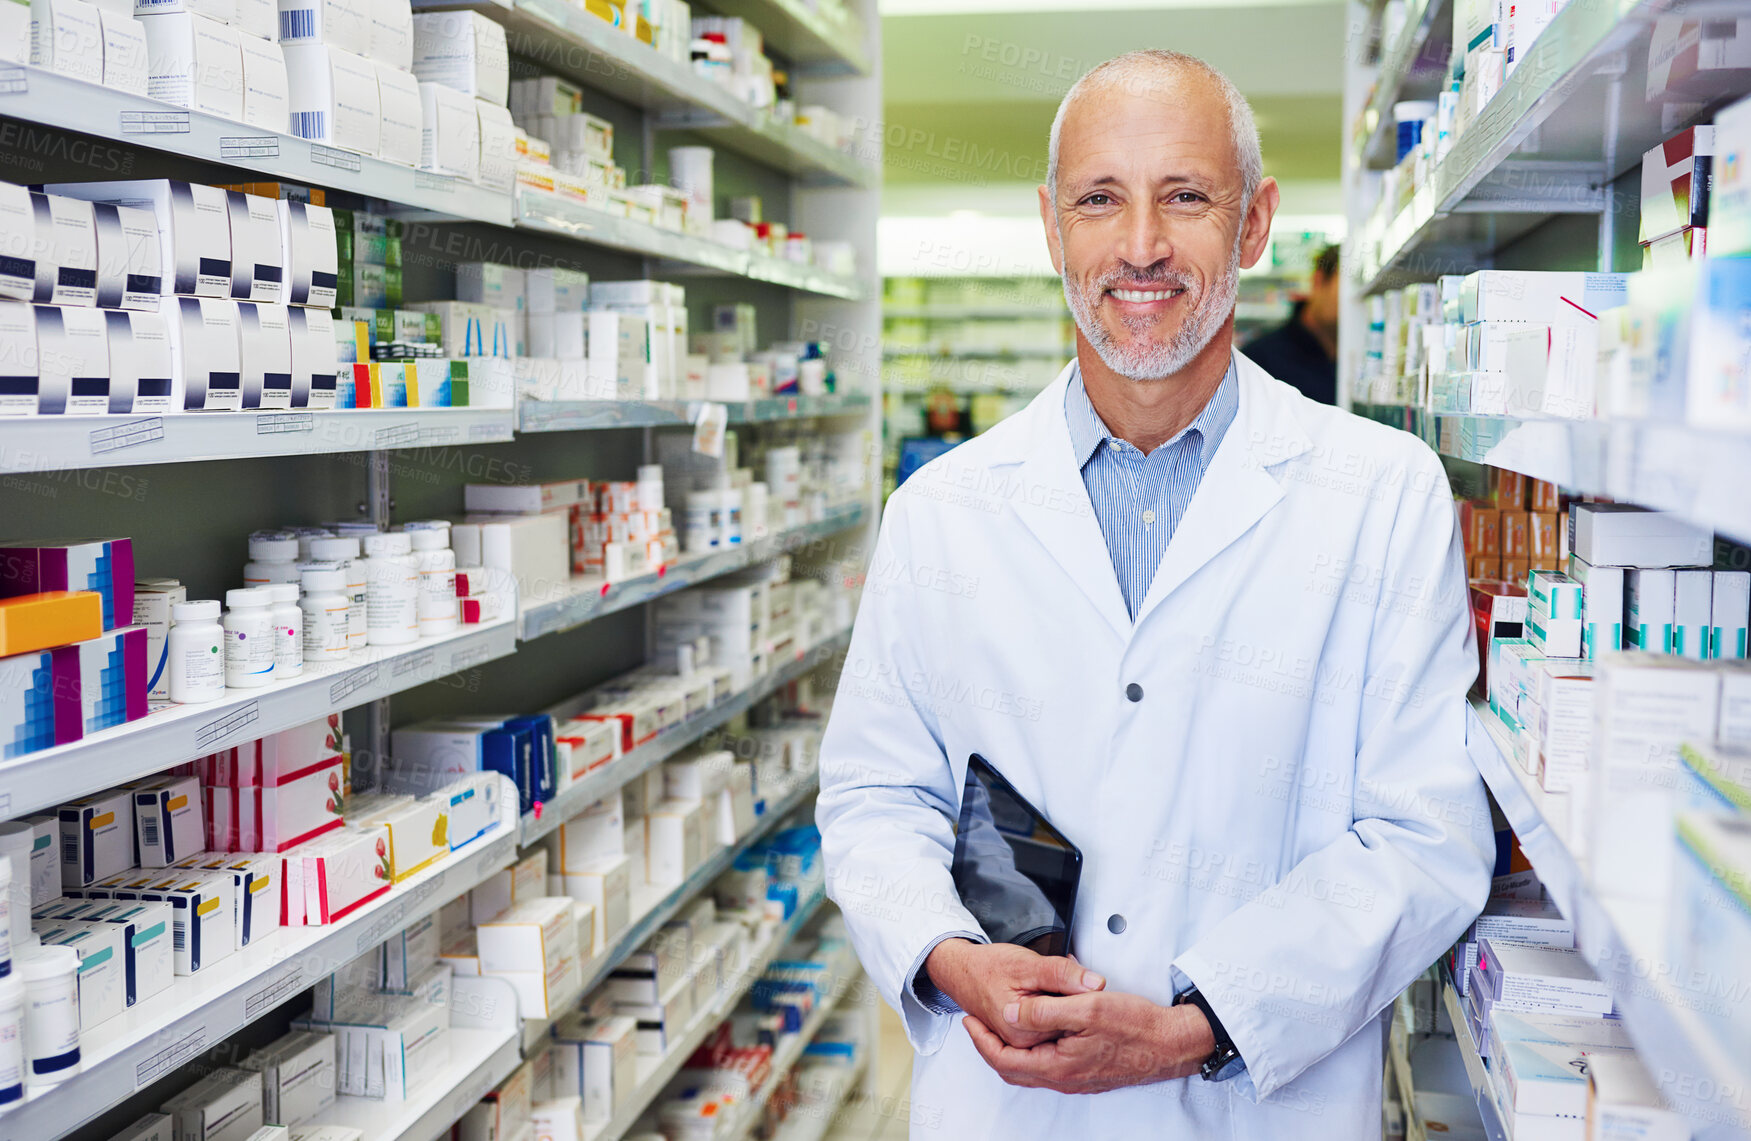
[(1128, 277)]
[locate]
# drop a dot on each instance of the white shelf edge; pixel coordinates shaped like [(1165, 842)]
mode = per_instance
[(1483, 1088), (142, 1045), (57, 443), (43, 97), (589, 415), (666, 744), (1682, 1053), (847, 1088), (588, 597), (177, 733)]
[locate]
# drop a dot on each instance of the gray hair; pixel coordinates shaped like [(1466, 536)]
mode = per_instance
[(1146, 66)]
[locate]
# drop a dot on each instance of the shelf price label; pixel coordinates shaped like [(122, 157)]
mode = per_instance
[(14, 81), (129, 435), (154, 122), (249, 146), (280, 423), (331, 156)]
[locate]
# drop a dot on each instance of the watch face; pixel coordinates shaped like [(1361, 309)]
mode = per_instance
[(1224, 1065)]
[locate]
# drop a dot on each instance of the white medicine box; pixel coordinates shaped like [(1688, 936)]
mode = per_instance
[(450, 131), (194, 231), (206, 365), (333, 97), (310, 254), (265, 101), (464, 51), (402, 114), (66, 270), (195, 62), (343, 24), (67, 37), (97, 839), (126, 59), (264, 343), (129, 262), (73, 360), (257, 257), (168, 818)]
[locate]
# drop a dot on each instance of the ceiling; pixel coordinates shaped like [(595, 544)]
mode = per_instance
[(969, 96)]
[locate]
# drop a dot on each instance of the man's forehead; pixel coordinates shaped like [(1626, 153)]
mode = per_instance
[(1169, 118)]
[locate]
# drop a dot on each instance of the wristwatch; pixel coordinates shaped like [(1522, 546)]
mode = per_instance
[(1224, 1061)]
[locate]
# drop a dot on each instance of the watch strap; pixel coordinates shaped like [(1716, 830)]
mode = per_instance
[(1224, 1061)]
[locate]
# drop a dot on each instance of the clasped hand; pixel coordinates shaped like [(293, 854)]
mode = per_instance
[(1047, 1022)]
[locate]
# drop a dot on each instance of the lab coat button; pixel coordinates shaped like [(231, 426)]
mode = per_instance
[(1116, 924), (1134, 692)]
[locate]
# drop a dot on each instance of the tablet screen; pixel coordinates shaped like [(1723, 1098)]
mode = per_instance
[(1015, 872)]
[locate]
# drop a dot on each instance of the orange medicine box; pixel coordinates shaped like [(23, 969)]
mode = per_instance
[(1516, 536), (1483, 567), (1510, 489), (1545, 496), (52, 618), (1546, 537), (1481, 525)]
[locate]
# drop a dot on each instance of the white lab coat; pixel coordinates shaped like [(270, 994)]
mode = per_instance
[(1287, 818)]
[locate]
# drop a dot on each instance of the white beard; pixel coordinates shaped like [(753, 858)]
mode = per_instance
[(1152, 360)]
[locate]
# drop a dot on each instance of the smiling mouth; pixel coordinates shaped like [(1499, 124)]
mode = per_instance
[(1145, 295)]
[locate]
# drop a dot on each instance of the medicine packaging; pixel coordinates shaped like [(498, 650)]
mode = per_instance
[(225, 1104), (1619, 535), (168, 818), (67, 244), (298, 1076), (450, 131), (311, 259), (341, 872), (604, 884), (67, 37), (474, 807), (73, 360), (333, 97), (148, 938), (387, 1045), (265, 93), (401, 110), (257, 255), (103, 988), (464, 51), (418, 829), (534, 947), (194, 61), (203, 916), (129, 261), (97, 839)]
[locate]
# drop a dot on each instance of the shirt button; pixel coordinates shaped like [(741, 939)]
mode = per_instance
[(1116, 924), (1134, 692), (1148, 517)]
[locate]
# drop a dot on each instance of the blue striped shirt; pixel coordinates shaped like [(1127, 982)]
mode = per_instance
[(1139, 499)]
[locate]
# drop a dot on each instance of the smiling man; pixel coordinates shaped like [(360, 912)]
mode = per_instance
[(1216, 635)]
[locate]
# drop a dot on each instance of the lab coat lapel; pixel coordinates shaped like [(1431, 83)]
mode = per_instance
[(1239, 489), (1050, 498)]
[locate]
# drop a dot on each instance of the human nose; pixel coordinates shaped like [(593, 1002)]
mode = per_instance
[(1146, 239)]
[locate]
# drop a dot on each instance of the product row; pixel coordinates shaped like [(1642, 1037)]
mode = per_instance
[(1560, 1063), (565, 151), (176, 873)]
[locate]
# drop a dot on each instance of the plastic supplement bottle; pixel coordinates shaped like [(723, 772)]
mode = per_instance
[(288, 630), (249, 638), (325, 604), (345, 551), (439, 612), (197, 653), (391, 589), (11, 1039), (272, 558), (51, 1015)]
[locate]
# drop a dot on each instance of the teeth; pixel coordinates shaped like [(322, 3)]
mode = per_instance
[(1145, 294)]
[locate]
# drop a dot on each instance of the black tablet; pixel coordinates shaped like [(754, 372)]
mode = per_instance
[(1015, 872)]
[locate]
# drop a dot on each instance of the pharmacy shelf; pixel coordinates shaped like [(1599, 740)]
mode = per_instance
[(544, 212), (666, 744), (589, 597), (1569, 120), (568, 41), (655, 904), (479, 1061), (36, 95), (655, 1074), (64, 443), (796, 30), (173, 734), (785, 1055), (1622, 943), (1404, 74), (198, 1012), (806, 1124), (1698, 474), (1489, 1108), (586, 415), (947, 352)]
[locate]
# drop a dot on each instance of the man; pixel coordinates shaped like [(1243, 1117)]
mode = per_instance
[(1254, 732), (1304, 349)]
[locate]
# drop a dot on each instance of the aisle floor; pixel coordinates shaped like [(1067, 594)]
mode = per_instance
[(884, 1117)]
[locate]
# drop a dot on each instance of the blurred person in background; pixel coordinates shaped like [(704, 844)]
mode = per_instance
[(1303, 350)]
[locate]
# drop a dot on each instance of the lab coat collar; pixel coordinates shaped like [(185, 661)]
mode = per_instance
[(1235, 493)]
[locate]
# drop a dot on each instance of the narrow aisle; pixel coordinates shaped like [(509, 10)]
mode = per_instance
[(884, 1118)]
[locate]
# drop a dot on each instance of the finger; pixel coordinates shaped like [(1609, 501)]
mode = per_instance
[(999, 1055), (1044, 1012), (1064, 975)]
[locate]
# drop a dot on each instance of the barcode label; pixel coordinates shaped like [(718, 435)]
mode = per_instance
[(172, 1056), (222, 727), (149, 831), (273, 424), (350, 684), (411, 662), (297, 24), (249, 146), (309, 124), (129, 435), (154, 122), (179, 941), (70, 850), (329, 156), (397, 436), (427, 180)]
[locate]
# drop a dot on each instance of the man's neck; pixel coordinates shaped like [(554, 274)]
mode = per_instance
[(1147, 414), (1327, 338)]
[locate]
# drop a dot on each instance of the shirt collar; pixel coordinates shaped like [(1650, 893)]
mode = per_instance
[(1088, 431)]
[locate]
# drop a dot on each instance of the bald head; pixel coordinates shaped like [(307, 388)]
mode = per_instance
[(1168, 77)]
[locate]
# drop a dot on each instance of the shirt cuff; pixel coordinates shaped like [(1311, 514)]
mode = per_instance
[(1182, 982), (924, 990)]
